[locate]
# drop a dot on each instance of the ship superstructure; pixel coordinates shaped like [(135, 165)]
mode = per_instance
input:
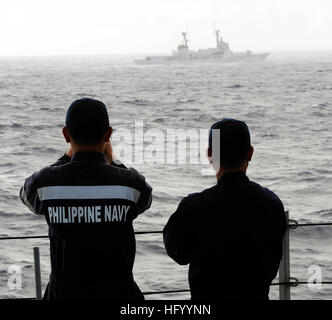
[(221, 53)]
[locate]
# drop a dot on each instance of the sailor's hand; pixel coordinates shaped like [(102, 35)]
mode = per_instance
[(108, 152), (70, 152)]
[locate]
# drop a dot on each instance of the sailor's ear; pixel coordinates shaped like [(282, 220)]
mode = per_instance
[(250, 153), (209, 155), (66, 134), (209, 152), (108, 134)]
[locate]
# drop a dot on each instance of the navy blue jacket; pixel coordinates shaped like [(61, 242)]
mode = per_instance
[(231, 235), (89, 206)]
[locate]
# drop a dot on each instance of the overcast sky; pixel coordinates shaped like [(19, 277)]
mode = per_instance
[(38, 27)]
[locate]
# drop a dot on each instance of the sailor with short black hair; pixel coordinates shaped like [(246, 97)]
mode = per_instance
[(89, 201), (231, 234)]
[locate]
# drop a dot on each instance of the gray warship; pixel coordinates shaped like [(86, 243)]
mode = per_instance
[(220, 54)]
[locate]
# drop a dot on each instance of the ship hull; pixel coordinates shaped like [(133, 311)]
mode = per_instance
[(190, 60)]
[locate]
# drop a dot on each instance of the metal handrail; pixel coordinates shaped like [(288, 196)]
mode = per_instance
[(285, 281), (292, 225), (41, 237)]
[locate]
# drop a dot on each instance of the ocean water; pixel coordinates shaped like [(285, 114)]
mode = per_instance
[(286, 101)]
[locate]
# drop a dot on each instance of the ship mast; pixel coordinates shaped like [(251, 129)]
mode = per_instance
[(185, 40), (217, 37)]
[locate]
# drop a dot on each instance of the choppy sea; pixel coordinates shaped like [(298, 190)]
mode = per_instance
[(286, 101)]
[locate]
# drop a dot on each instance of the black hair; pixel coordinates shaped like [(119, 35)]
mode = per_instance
[(234, 142), (87, 121)]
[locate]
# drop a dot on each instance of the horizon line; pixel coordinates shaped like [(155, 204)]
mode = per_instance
[(143, 53)]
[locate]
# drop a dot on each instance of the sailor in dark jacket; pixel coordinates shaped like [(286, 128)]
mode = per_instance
[(230, 234), (89, 203)]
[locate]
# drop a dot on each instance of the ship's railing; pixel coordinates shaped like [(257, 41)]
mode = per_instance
[(285, 280)]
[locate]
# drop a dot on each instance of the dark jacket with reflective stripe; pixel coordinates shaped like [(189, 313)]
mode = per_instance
[(231, 235), (89, 206)]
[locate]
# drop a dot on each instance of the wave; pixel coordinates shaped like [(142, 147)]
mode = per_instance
[(234, 86), (325, 70), (312, 232), (7, 164), (16, 125), (84, 95), (158, 120), (327, 213), (320, 105), (2, 86), (137, 102), (319, 114), (165, 197), (323, 171), (44, 150), (182, 101), (255, 114), (38, 98), (270, 135), (42, 127)]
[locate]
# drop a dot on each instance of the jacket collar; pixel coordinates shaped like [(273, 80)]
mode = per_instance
[(88, 156), (233, 178)]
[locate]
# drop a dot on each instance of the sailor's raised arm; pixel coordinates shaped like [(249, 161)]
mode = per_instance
[(29, 195), (145, 199), (108, 152), (145, 191)]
